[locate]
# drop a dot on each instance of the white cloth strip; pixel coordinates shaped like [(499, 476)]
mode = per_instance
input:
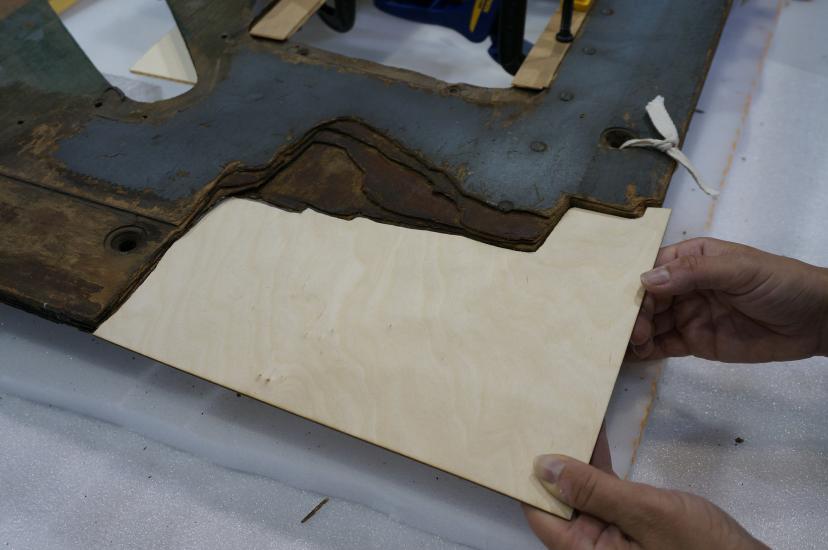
[(669, 144)]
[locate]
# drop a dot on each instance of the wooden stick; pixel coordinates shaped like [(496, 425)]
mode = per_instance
[(285, 18), (541, 65)]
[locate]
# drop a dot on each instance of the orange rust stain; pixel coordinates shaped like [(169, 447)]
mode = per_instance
[(631, 192), (637, 441), (461, 172), (745, 110), (43, 139)]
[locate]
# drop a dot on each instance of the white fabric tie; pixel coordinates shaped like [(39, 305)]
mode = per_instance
[(669, 145)]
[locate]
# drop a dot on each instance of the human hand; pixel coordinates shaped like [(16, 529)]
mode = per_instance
[(618, 514), (733, 303)]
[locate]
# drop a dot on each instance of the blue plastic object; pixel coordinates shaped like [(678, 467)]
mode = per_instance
[(474, 19)]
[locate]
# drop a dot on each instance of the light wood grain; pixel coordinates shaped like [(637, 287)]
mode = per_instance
[(169, 59), (466, 356), (540, 66), (285, 18)]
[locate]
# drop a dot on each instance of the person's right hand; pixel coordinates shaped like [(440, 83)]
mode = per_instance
[(729, 302)]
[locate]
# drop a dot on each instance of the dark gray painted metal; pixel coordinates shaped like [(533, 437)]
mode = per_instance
[(644, 49)]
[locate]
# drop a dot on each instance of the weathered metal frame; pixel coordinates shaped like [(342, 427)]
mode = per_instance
[(78, 160)]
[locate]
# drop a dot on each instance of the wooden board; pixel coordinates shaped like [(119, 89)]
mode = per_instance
[(285, 18), (168, 58), (463, 355), (540, 66)]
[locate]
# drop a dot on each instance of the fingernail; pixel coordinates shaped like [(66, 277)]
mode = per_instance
[(657, 276), (548, 469)]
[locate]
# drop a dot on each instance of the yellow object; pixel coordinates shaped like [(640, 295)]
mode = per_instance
[(479, 6), (61, 6), (583, 5)]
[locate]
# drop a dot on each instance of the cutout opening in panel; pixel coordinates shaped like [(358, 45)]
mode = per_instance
[(116, 36), (432, 50)]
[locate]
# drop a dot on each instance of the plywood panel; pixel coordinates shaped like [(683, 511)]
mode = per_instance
[(285, 18), (539, 68), (466, 356)]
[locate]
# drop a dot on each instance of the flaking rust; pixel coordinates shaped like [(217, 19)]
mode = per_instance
[(348, 170)]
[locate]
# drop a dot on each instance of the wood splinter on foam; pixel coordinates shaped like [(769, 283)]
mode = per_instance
[(315, 509)]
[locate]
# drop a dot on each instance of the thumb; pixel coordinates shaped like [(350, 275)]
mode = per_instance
[(728, 273), (633, 507)]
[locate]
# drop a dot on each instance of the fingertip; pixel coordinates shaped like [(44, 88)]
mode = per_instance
[(648, 304), (643, 351), (642, 331), (655, 278), (549, 467)]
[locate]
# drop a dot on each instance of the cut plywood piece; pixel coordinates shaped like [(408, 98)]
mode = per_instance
[(168, 58), (540, 66), (285, 18), (465, 356)]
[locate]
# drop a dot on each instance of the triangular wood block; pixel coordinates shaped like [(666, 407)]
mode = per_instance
[(168, 59)]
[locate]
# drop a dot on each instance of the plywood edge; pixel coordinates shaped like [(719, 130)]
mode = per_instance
[(541, 65), (168, 59), (285, 18)]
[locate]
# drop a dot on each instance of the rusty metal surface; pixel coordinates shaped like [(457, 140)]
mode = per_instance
[(55, 256), (300, 127), (346, 169)]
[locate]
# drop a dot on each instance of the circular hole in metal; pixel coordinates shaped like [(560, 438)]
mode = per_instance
[(127, 244), (224, 36), (125, 240), (98, 104), (616, 137), (20, 121)]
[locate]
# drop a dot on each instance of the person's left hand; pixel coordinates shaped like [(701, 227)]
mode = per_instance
[(613, 513)]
